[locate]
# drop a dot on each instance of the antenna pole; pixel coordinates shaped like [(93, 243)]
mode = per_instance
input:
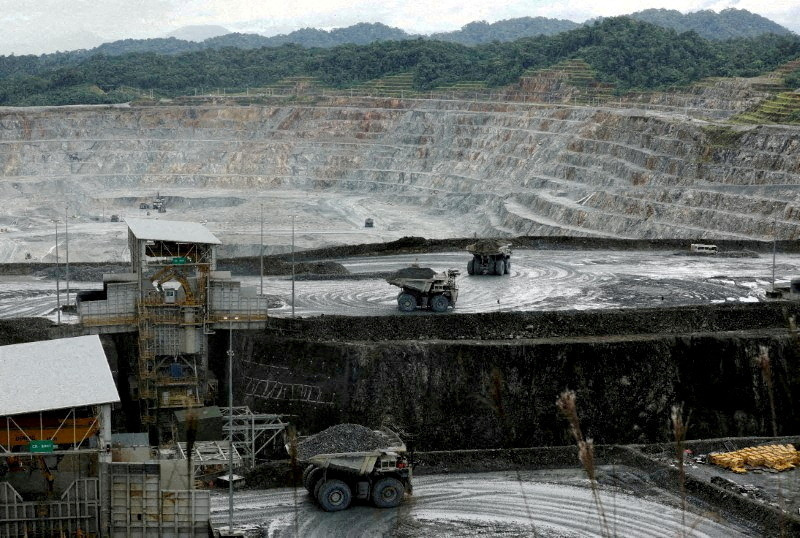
[(58, 290)]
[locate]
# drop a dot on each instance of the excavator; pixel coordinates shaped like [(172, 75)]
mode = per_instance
[(166, 274)]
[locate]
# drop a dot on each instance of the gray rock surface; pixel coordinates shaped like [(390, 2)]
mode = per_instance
[(340, 438), (436, 168)]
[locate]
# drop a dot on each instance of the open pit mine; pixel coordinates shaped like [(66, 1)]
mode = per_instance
[(206, 250)]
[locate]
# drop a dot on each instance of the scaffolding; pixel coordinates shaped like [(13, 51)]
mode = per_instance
[(272, 389), (168, 374), (209, 457), (252, 433)]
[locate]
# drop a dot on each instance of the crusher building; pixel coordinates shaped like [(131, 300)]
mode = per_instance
[(173, 298)]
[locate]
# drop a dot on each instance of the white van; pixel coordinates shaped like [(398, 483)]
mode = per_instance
[(703, 249)]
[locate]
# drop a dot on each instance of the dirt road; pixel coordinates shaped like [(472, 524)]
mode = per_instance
[(539, 280), (549, 503), (545, 280)]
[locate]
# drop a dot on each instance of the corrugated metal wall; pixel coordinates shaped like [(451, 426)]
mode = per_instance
[(140, 508)]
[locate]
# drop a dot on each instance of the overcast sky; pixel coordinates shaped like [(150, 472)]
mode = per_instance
[(39, 26)]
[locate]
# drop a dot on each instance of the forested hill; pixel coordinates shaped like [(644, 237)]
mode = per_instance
[(479, 32), (626, 53), (728, 23)]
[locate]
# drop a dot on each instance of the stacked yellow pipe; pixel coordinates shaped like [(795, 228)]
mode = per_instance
[(778, 457)]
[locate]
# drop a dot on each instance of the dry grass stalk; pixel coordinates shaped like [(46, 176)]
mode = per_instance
[(567, 405), (765, 364), (679, 428)]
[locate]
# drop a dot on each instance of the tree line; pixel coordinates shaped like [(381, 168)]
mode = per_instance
[(629, 54)]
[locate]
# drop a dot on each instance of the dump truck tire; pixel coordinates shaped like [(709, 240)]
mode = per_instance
[(499, 267), (309, 477), (320, 480), (406, 302), (387, 492), (471, 267), (508, 267), (334, 495), (439, 303)]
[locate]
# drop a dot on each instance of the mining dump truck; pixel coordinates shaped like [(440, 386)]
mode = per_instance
[(422, 287), (489, 257), (381, 475)]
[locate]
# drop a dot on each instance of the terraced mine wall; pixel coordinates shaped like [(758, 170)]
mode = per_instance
[(498, 168), (491, 381)]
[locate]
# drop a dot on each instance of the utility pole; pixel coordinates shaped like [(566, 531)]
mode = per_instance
[(774, 248), (230, 423), (293, 216), (261, 250), (66, 246), (58, 290)]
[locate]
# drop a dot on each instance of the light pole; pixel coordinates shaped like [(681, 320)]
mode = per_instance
[(261, 249), (774, 248), (230, 422), (58, 286), (293, 216), (66, 247)]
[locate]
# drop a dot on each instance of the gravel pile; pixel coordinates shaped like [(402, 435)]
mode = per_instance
[(489, 246), (340, 438), (415, 272), (81, 273)]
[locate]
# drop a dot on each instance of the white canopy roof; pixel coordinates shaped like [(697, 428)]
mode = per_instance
[(54, 374), (177, 231)]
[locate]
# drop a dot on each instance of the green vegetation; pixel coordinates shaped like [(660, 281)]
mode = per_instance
[(476, 33), (620, 52), (722, 136), (727, 24), (782, 108)]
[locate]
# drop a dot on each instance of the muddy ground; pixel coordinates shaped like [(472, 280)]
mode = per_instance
[(548, 503)]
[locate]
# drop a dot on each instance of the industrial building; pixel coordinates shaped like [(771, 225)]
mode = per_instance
[(55, 415), (58, 470), (173, 298), (61, 469)]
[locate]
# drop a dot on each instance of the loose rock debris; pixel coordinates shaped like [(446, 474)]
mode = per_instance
[(341, 438)]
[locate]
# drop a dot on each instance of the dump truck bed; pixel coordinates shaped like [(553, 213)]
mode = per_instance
[(488, 247), (363, 461), (420, 279), (357, 462), (422, 286)]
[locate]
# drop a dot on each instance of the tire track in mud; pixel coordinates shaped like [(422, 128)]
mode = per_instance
[(470, 505), (541, 280), (23, 300), (33, 298)]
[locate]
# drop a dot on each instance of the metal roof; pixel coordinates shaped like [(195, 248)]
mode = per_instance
[(54, 374), (177, 231)]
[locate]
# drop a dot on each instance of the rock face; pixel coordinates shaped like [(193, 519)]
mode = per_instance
[(628, 369), (458, 167)]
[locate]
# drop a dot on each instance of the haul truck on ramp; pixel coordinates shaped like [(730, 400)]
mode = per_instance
[(381, 475)]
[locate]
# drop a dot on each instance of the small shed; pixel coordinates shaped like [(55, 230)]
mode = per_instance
[(55, 394)]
